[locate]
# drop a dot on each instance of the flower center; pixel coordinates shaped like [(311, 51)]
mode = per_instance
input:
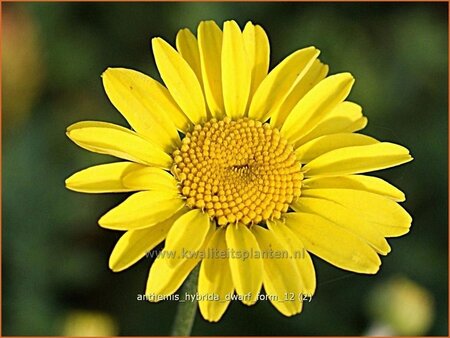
[(237, 171)]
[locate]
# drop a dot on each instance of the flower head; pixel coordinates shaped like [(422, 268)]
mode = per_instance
[(240, 170)]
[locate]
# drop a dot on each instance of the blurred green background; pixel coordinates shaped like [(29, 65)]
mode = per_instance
[(55, 274)]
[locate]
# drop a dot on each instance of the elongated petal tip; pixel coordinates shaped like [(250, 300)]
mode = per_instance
[(249, 301), (107, 70), (346, 78), (206, 22), (157, 43), (104, 221), (108, 220), (184, 31), (211, 319), (71, 127), (374, 269), (386, 252), (401, 197), (312, 48), (249, 23), (152, 295), (70, 183), (158, 40), (344, 74), (293, 313), (112, 266), (69, 133), (230, 22), (115, 265), (90, 123), (67, 183)]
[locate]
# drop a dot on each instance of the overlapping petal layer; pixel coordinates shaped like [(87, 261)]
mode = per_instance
[(146, 105), (165, 278), (215, 278), (103, 178), (341, 216), (281, 276), (275, 87), (391, 222), (334, 244), (298, 252), (181, 80), (356, 182), (357, 159), (236, 71), (247, 274), (135, 244), (210, 46), (110, 139), (142, 209)]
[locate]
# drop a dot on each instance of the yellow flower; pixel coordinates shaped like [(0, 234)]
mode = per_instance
[(241, 170)]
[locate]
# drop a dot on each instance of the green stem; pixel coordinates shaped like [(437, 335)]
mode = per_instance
[(184, 319)]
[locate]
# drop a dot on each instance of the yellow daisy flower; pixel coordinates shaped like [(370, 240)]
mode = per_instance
[(234, 167)]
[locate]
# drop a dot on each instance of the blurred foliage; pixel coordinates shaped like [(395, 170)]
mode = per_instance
[(54, 255)]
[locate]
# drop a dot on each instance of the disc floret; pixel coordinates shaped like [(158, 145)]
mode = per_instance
[(237, 171)]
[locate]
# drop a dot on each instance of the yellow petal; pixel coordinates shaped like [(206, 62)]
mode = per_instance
[(163, 280), (187, 236), (319, 101), (145, 104), (357, 125), (215, 278), (333, 244), (93, 124), (390, 230), (358, 159), (188, 48), (302, 85), (181, 80), (135, 244), (298, 251), (107, 138), (356, 182), (142, 209), (210, 46), (103, 178), (236, 71), (148, 178), (346, 117), (281, 276), (275, 87), (324, 144), (389, 218), (246, 267), (344, 217), (258, 50)]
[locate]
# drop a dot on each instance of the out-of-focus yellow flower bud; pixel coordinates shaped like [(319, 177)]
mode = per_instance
[(401, 307), (89, 323)]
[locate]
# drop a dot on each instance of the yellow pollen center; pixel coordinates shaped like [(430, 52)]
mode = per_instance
[(237, 171)]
